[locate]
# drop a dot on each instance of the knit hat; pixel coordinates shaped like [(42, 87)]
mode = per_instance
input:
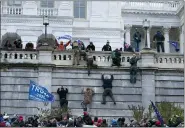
[(114, 122), (85, 113), (20, 118), (158, 123)]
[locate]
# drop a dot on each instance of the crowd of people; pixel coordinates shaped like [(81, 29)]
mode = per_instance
[(84, 120)]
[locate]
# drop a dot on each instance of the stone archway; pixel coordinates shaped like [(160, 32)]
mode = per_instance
[(50, 38), (10, 36)]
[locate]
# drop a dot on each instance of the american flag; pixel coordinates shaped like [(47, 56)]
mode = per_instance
[(159, 117)]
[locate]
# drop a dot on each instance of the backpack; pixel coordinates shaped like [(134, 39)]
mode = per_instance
[(113, 55)]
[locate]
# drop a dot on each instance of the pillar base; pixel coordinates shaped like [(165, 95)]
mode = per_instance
[(146, 49)]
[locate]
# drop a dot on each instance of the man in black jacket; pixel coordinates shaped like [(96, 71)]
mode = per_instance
[(62, 95), (159, 38), (107, 85), (107, 47), (90, 47)]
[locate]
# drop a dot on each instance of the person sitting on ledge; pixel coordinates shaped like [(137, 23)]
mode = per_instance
[(29, 46), (90, 47), (116, 58), (18, 44), (8, 45), (128, 48), (107, 85), (63, 46)]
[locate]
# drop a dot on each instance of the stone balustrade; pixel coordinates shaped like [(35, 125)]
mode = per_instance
[(47, 11), (102, 59), (169, 61), (165, 6), (126, 5), (19, 56), (12, 10)]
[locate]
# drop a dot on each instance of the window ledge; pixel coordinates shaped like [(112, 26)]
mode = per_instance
[(80, 19)]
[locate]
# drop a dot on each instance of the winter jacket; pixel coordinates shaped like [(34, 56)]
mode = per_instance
[(75, 45), (62, 93), (87, 120), (107, 83), (159, 38), (106, 48), (91, 47), (137, 37), (62, 47), (88, 95)]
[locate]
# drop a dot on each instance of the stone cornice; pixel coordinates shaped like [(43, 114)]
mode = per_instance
[(106, 29), (36, 19), (95, 33), (148, 12)]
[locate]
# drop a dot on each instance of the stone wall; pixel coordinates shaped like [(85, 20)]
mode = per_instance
[(151, 85)]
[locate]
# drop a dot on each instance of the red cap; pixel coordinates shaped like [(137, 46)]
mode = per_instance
[(157, 123), (85, 113)]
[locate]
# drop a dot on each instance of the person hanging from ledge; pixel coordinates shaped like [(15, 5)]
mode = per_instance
[(107, 85), (133, 68), (76, 52), (107, 47), (116, 58), (88, 94), (159, 38), (91, 47), (90, 61), (63, 46), (62, 95)]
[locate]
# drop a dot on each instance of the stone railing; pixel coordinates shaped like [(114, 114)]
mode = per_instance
[(161, 6), (47, 11), (102, 59), (169, 61), (19, 56), (12, 10)]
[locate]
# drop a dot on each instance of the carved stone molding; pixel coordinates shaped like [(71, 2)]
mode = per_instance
[(166, 29), (38, 20), (97, 33), (148, 12)]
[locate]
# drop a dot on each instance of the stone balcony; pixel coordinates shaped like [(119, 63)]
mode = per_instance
[(127, 6), (157, 7), (103, 59)]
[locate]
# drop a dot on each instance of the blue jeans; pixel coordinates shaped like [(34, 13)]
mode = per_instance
[(137, 46)]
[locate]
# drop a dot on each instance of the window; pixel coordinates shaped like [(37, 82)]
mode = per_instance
[(47, 3), (14, 3), (79, 9)]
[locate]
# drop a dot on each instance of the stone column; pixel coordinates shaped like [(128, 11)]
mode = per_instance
[(181, 46), (166, 36), (148, 78), (148, 37), (127, 34), (45, 73)]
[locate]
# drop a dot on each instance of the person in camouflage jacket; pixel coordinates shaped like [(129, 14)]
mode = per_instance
[(88, 94)]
